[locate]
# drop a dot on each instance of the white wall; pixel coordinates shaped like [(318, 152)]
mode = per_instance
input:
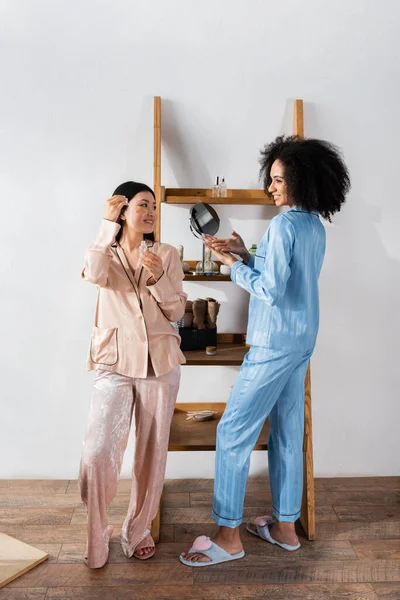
[(78, 80)]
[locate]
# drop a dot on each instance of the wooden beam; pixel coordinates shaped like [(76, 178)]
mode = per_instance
[(298, 126), (307, 518), (157, 164)]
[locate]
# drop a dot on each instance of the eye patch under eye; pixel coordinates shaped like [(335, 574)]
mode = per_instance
[(142, 209)]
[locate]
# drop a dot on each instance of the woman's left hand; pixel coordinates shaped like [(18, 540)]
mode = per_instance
[(225, 257), (153, 264)]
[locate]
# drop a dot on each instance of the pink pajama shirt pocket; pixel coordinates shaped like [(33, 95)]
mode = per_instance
[(104, 345)]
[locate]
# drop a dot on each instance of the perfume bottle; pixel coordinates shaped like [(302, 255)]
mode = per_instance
[(216, 188), (223, 188), (142, 250)]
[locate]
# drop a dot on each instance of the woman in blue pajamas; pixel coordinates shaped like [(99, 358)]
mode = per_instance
[(310, 177)]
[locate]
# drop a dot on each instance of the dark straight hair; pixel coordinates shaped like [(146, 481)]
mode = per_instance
[(129, 189)]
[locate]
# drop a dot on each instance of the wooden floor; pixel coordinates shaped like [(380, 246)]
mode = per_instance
[(356, 555)]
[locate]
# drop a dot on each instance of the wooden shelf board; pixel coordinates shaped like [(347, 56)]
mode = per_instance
[(209, 278), (193, 195), (195, 436), (227, 355), (218, 277), (238, 201)]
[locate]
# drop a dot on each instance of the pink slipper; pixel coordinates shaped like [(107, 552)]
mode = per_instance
[(107, 536), (143, 544)]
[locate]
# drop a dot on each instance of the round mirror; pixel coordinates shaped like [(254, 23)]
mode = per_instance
[(203, 220)]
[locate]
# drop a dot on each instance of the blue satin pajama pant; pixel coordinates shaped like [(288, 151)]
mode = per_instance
[(270, 384)]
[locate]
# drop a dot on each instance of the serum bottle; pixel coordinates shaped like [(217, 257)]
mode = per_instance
[(216, 188), (223, 188)]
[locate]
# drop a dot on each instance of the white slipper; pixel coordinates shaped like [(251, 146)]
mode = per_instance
[(262, 524), (203, 545)]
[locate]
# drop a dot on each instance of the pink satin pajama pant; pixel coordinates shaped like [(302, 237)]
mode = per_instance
[(116, 399)]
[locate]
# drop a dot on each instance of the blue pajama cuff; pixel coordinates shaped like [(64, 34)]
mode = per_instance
[(221, 521), (237, 265), (285, 518)]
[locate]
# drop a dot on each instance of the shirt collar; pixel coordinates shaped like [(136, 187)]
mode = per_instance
[(300, 209)]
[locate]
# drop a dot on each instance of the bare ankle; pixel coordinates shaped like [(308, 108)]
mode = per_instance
[(285, 526), (228, 533)]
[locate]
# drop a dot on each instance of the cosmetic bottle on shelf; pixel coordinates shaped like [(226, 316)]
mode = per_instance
[(216, 188), (223, 188)]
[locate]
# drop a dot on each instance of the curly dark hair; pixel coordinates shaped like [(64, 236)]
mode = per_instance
[(315, 173)]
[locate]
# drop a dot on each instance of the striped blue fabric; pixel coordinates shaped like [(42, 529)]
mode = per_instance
[(270, 383), (283, 282)]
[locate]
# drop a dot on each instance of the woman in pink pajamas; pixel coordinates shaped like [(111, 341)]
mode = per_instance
[(135, 354)]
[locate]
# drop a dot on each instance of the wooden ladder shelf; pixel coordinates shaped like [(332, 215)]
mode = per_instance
[(191, 436)]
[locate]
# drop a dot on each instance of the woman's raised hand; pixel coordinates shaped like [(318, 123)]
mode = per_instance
[(233, 244), (114, 206)]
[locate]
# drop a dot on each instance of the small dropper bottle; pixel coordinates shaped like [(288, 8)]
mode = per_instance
[(223, 188), (216, 189)]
